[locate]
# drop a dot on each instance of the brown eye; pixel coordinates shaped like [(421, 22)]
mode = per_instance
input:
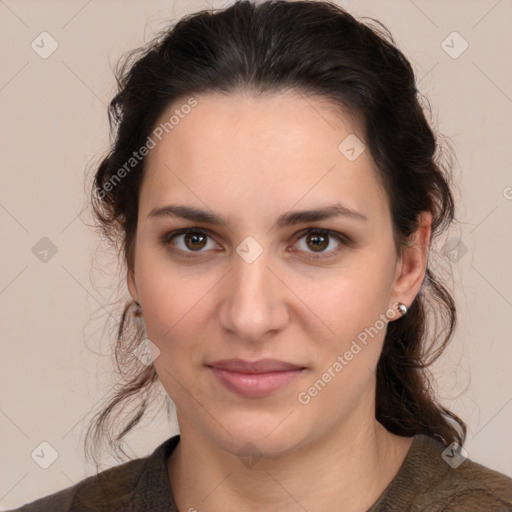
[(318, 241), (188, 240), (194, 240)]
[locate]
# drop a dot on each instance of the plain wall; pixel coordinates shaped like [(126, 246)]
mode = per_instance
[(54, 127)]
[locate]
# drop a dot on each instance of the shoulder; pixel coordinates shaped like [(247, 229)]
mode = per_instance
[(123, 487), (109, 487), (437, 478), (471, 486)]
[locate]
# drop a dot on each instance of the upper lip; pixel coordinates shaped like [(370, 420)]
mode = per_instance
[(259, 366)]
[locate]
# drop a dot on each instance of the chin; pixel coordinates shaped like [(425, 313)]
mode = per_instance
[(253, 436)]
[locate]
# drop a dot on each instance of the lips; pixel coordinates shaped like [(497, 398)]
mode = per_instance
[(260, 366), (256, 378)]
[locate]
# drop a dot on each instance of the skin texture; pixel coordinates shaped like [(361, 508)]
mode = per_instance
[(251, 159)]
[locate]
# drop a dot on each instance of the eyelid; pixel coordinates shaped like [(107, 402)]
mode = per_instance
[(343, 239), (167, 238)]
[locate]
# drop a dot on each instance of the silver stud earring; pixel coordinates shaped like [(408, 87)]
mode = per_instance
[(402, 308)]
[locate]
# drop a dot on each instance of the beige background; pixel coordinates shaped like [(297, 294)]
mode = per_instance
[(54, 127)]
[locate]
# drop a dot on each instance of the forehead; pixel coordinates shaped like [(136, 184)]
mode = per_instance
[(260, 153)]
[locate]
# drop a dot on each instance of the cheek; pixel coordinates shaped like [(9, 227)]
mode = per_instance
[(172, 314), (168, 291), (175, 328), (346, 358), (350, 300), (353, 306)]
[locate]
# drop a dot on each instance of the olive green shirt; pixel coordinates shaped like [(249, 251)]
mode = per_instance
[(426, 481)]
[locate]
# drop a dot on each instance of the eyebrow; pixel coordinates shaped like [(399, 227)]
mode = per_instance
[(286, 219)]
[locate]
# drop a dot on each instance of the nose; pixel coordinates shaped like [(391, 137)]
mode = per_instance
[(255, 299)]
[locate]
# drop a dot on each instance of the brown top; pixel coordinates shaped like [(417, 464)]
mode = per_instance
[(424, 482)]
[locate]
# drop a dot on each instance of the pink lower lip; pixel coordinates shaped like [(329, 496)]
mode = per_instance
[(255, 384)]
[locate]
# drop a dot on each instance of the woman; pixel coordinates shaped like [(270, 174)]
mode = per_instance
[(275, 188)]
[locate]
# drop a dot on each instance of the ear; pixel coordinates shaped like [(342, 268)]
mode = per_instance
[(412, 265), (132, 287)]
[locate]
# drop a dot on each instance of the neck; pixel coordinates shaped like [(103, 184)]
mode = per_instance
[(350, 466)]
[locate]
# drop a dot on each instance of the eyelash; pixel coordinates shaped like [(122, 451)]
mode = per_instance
[(343, 239)]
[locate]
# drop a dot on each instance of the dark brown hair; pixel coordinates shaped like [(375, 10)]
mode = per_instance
[(317, 49)]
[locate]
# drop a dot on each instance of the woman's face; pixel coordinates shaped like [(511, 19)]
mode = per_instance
[(257, 284)]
